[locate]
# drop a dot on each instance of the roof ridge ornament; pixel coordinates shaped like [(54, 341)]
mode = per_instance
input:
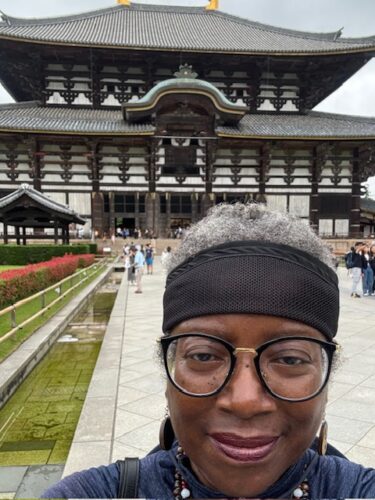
[(186, 71), (213, 5), (126, 3), (25, 186)]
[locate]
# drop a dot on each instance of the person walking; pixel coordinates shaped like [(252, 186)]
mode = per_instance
[(129, 254), (139, 262), (356, 262), (368, 274), (149, 258)]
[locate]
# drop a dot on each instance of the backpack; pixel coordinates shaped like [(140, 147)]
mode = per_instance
[(349, 261)]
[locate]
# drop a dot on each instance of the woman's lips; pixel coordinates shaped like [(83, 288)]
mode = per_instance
[(244, 449)]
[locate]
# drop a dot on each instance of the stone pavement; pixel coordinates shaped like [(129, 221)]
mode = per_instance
[(140, 403)]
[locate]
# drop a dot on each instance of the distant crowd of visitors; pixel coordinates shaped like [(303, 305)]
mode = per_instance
[(360, 260), (136, 257)]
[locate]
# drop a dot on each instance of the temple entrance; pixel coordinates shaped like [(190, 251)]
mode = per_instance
[(125, 223), (177, 223)]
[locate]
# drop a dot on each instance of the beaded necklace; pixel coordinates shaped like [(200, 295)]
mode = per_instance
[(181, 489)]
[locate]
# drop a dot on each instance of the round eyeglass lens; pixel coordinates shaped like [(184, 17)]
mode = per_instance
[(198, 365), (294, 369)]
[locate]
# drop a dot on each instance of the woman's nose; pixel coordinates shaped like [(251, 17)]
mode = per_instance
[(244, 394)]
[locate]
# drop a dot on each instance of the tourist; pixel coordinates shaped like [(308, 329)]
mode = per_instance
[(139, 262), (250, 316), (129, 253), (356, 264), (166, 257), (368, 273), (372, 263), (149, 253)]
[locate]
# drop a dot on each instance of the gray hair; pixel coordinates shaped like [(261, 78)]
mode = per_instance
[(251, 221)]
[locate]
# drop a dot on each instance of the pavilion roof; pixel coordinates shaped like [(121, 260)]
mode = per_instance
[(158, 27), (42, 200), (31, 117), (368, 205)]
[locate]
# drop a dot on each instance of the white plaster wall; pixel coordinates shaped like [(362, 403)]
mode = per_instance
[(299, 205), (277, 202), (80, 203), (325, 227)]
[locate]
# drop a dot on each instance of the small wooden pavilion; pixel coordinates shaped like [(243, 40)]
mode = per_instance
[(28, 208)]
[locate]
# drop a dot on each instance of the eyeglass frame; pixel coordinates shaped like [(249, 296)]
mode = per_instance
[(329, 347)]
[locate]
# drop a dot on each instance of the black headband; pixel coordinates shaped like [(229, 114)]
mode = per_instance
[(253, 277)]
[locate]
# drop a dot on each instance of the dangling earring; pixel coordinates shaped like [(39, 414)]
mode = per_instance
[(166, 432), (323, 439)]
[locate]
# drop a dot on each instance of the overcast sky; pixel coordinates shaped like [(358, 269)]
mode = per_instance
[(356, 96)]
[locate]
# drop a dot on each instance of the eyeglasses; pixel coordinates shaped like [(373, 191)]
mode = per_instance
[(290, 368)]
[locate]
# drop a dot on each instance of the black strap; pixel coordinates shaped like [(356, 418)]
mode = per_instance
[(128, 480)]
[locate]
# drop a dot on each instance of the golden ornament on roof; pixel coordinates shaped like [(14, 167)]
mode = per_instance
[(124, 2), (213, 5)]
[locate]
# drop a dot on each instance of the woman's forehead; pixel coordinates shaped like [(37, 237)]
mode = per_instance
[(246, 327)]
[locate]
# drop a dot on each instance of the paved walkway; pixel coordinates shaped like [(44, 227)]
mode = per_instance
[(140, 401)]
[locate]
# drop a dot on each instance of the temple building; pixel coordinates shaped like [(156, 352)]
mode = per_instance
[(144, 116)]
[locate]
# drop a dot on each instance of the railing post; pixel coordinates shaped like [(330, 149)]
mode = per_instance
[(43, 297), (13, 318)]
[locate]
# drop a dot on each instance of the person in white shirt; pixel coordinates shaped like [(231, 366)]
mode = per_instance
[(139, 262)]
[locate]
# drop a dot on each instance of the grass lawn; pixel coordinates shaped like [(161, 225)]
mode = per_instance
[(6, 268), (32, 307)]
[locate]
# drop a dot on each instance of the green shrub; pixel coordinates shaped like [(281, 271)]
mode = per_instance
[(31, 254)]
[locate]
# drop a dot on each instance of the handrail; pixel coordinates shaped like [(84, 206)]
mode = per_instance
[(12, 309)]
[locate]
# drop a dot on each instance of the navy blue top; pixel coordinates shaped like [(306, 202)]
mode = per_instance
[(328, 477)]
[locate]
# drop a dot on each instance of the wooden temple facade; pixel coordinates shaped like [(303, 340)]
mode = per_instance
[(146, 115)]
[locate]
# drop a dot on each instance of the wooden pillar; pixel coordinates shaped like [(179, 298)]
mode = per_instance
[(168, 213), (56, 233), (264, 167), (97, 211), (67, 235), (194, 207), (316, 170), (112, 221), (17, 230), (35, 156), (153, 212), (5, 233), (355, 209), (24, 235)]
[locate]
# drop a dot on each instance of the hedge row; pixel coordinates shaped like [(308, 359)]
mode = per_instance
[(18, 284), (18, 255)]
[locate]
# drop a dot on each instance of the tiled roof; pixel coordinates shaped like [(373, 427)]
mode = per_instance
[(32, 117), (368, 205), (42, 199), (170, 28), (314, 124)]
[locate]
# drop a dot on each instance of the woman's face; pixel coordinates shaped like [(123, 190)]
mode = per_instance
[(242, 440)]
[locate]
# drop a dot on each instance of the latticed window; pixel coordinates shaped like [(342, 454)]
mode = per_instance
[(124, 203), (181, 204), (334, 204)]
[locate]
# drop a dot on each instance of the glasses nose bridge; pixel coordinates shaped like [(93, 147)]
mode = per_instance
[(249, 350)]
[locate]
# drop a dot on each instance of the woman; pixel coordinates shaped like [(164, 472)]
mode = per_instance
[(250, 315), (368, 273), (372, 264)]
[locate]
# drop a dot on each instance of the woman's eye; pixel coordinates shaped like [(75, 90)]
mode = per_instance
[(291, 361), (203, 356)]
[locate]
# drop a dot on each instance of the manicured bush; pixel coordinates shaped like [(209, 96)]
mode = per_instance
[(18, 284), (30, 254)]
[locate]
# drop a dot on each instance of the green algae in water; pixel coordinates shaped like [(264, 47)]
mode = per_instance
[(37, 424)]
